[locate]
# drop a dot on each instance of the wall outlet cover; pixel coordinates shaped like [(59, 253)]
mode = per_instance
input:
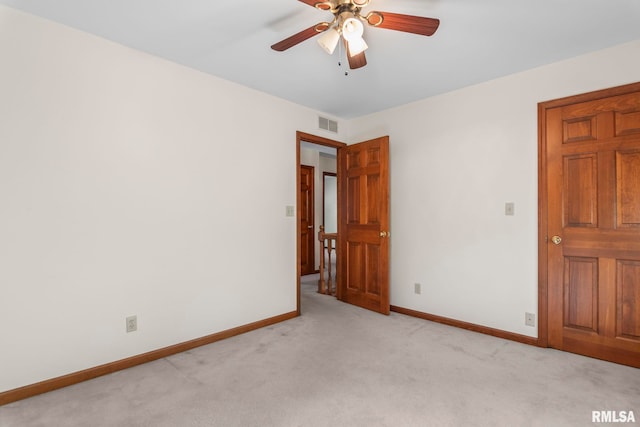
[(530, 319)]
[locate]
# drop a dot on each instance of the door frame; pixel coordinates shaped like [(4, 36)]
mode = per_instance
[(314, 139), (543, 202)]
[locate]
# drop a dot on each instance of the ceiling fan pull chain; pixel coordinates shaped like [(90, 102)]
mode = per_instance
[(340, 58)]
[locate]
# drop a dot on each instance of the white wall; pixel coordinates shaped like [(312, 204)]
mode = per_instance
[(326, 164), (126, 188), (330, 193), (455, 160)]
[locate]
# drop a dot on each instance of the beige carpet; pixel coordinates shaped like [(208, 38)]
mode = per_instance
[(339, 365)]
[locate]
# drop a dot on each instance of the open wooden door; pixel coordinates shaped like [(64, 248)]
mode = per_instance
[(592, 238), (307, 229), (363, 228)]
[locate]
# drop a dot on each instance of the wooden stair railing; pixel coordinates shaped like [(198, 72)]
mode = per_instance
[(327, 287)]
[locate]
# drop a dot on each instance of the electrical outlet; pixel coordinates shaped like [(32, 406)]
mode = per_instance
[(530, 319), (417, 288), (132, 323)]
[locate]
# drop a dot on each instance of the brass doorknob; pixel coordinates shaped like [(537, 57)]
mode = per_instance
[(384, 234), (556, 240)]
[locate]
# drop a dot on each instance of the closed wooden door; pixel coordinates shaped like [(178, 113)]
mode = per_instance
[(593, 232), (307, 236), (363, 232)]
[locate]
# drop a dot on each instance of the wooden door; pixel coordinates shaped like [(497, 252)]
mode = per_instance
[(363, 228), (593, 231), (306, 215)]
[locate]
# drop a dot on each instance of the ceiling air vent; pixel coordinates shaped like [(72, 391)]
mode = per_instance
[(326, 124)]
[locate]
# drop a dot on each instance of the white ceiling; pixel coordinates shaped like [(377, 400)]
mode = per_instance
[(477, 41)]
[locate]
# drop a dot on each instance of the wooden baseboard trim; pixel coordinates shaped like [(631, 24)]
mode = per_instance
[(108, 368), (468, 326)]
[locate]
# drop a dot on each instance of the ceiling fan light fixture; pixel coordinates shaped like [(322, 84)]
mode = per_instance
[(352, 29), (329, 40), (347, 24), (356, 46)]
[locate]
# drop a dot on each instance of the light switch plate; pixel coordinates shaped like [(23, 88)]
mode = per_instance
[(132, 323), (509, 209), (291, 211)]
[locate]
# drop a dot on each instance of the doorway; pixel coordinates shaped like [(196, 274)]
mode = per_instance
[(321, 155), (362, 254)]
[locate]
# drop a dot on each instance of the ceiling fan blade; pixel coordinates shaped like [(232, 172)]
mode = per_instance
[(355, 61), (407, 23), (300, 37), (322, 5)]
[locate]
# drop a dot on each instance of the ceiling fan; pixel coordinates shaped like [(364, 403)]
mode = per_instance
[(348, 24)]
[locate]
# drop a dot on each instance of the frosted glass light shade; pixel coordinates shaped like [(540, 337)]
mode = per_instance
[(356, 46), (352, 28), (329, 40)]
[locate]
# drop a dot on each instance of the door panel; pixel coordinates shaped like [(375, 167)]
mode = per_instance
[(581, 293), (581, 190), (628, 295), (593, 177), (363, 232), (307, 237), (628, 188)]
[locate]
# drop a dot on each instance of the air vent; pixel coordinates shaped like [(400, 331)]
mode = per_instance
[(326, 124)]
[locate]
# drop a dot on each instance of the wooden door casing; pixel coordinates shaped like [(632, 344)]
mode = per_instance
[(364, 225), (590, 198), (306, 215)]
